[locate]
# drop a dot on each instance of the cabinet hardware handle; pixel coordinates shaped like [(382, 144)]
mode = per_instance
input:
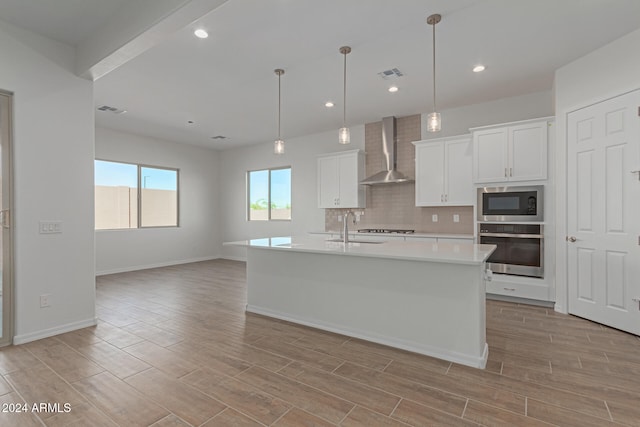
[(505, 172), (638, 172), (509, 289), (571, 239), (510, 171)]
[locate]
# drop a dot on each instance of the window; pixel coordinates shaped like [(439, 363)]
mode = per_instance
[(269, 194), (134, 196)]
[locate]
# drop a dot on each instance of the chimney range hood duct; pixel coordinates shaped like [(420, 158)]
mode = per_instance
[(390, 175)]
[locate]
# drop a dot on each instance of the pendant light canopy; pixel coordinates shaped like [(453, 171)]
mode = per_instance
[(278, 145), (434, 121), (343, 133)]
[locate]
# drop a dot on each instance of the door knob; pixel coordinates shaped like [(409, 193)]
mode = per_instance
[(571, 239)]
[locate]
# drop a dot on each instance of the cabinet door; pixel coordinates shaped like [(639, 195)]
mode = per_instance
[(348, 181), (528, 151), (458, 182), (430, 174), (328, 182), (490, 161)]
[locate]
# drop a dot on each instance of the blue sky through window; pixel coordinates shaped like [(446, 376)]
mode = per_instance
[(280, 187), (113, 174)]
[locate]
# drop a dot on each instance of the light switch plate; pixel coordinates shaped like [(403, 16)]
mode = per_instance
[(456, 218), (50, 227), (434, 218)]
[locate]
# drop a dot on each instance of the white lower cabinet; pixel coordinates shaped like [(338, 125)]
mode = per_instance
[(518, 287)]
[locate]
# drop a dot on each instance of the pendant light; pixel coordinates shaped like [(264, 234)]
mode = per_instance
[(343, 133), (278, 145), (434, 121)]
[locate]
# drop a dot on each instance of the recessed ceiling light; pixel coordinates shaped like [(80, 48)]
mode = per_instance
[(201, 34), (328, 104), (478, 68), (393, 89)]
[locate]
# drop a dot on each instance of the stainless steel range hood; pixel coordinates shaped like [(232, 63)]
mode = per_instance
[(390, 175)]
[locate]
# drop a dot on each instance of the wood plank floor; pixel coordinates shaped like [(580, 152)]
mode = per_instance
[(174, 347)]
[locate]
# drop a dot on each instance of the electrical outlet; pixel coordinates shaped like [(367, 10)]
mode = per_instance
[(339, 218), (44, 300), (456, 218), (434, 218)]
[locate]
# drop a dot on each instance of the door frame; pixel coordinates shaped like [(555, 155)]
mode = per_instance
[(8, 242), (562, 212)]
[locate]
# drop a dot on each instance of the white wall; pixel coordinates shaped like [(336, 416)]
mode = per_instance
[(197, 238), (300, 154), (457, 121), (53, 180), (604, 73)]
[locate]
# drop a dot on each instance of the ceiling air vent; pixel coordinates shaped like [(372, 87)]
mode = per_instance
[(219, 137), (393, 73), (113, 110)]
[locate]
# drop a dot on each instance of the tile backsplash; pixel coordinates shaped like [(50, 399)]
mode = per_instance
[(393, 205)]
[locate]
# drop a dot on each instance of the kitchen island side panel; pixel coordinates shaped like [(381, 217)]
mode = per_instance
[(432, 308)]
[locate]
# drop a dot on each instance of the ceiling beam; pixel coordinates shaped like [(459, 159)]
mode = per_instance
[(136, 27)]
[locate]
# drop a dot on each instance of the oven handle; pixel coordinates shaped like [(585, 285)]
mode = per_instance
[(517, 236)]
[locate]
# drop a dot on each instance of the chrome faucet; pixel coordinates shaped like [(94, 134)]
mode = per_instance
[(345, 229)]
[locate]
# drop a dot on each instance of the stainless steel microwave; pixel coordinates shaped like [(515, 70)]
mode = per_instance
[(511, 204)]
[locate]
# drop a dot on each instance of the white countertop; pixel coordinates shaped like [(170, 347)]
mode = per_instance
[(407, 235), (455, 253)]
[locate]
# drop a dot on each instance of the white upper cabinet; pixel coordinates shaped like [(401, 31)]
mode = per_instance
[(512, 152), (339, 175), (443, 172)]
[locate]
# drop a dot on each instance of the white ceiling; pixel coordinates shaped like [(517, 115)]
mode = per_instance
[(226, 83)]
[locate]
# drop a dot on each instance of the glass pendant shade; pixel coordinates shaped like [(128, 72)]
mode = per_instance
[(434, 122), (343, 136), (278, 146)]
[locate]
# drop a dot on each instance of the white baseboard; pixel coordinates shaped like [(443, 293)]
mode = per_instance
[(155, 265), (452, 356), (46, 333)]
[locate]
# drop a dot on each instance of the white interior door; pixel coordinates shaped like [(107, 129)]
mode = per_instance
[(6, 276), (603, 209)]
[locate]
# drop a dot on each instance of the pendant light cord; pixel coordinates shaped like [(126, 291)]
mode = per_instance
[(434, 67), (279, 76), (344, 93)]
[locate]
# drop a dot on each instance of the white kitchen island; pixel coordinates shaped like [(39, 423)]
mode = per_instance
[(427, 298)]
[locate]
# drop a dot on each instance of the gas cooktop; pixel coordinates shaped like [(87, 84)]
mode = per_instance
[(385, 230)]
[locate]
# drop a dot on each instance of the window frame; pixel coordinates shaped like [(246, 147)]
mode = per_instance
[(139, 167), (248, 191)]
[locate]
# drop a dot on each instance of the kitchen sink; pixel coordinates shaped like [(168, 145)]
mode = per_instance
[(355, 241)]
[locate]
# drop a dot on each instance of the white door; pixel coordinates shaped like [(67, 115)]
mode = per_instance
[(458, 174), (603, 212), (328, 182), (6, 262), (348, 181), (430, 174), (490, 155), (528, 151)]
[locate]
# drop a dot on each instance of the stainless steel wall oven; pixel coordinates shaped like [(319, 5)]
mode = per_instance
[(520, 248)]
